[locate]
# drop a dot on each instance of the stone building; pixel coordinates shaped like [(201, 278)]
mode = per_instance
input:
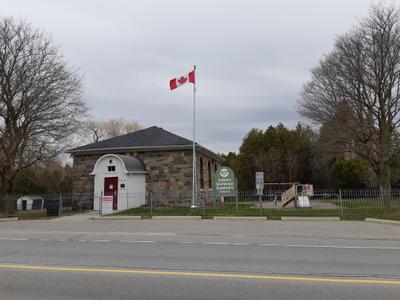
[(167, 161)]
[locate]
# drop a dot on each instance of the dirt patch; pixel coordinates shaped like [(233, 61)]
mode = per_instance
[(314, 204)]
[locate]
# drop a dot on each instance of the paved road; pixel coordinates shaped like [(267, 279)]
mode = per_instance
[(235, 259)]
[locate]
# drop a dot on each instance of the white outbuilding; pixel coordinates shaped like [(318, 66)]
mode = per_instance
[(120, 176), (30, 203)]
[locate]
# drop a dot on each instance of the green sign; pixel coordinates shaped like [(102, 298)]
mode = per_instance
[(225, 183)]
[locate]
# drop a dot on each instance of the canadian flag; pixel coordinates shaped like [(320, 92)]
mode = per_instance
[(177, 82)]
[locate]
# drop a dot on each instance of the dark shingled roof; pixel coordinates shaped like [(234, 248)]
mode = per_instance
[(149, 137), (132, 164)]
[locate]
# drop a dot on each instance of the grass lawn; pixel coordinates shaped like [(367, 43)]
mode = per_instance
[(369, 203), (243, 210), (35, 214), (351, 210), (31, 214)]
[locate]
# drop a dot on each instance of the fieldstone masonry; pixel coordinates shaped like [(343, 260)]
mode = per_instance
[(83, 183), (169, 181)]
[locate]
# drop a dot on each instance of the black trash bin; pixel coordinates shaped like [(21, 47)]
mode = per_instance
[(52, 208)]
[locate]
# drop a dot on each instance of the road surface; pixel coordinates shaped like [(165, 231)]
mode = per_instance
[(198, 259)]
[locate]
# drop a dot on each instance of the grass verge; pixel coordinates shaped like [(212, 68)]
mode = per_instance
[(271, 214)]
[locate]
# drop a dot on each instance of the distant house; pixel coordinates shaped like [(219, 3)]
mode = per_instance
[(146, 162)]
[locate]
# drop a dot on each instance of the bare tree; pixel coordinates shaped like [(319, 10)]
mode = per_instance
[(99, 130), (116, 127), (362, 75), (40, 100), (93, 131)]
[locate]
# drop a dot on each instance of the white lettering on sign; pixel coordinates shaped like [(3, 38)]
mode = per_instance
[(224, 182)]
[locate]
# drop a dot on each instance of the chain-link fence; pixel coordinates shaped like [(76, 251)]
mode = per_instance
[(349, 203), (47, 205)]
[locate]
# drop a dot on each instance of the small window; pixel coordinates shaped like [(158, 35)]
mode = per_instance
[(111, 168)]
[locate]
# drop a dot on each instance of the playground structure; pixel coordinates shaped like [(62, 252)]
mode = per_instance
[(298, 193)]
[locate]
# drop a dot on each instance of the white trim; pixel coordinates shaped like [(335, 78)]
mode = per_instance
[(123, 164), (199, 148)]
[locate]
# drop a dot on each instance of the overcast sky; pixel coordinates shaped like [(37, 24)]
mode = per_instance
[(252, 57)]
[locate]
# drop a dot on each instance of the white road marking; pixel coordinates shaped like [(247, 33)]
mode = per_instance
[(221, 243), (215, 243), (330, 246), (126, 241), (154, 233)]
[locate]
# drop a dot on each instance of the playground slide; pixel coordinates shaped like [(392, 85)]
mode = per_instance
[(289, 196)]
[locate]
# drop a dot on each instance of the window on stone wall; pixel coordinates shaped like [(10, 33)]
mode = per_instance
[(111, 168), (201, 174), (209, 174)]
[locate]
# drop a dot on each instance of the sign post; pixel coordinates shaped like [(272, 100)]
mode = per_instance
[(260, 187), (260, 182), (225, 184)]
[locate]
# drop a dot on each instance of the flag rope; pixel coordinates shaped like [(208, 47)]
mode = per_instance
[(194, 192)]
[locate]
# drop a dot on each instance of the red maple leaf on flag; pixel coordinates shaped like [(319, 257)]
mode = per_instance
[(182, 80), (174, 83)]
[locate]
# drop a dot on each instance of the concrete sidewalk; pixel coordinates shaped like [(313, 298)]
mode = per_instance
[(77, 217), (381, 221)]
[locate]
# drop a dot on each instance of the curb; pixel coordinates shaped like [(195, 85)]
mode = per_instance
[(240, 218), (8, 219), (310, 218), (381, 221), (176, 217), (117, 218)]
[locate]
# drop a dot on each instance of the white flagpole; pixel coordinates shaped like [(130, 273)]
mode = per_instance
[(194, 145)]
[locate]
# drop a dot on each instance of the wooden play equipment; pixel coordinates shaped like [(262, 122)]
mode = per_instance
[(297, 193)]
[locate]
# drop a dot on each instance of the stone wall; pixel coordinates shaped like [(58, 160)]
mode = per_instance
[(169, 179), (83, 165), (170, 175)]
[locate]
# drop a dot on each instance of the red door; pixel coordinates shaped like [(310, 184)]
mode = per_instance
[(111, 189)]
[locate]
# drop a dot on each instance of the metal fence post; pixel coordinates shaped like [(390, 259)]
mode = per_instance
[(214, 200), (237, 202), (60, 205), (340, 203), (260, 202), (204, 203), (101, 204), (151, 204), (7, 204)]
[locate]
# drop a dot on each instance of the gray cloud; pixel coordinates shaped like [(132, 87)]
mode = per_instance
[(252, 57)]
